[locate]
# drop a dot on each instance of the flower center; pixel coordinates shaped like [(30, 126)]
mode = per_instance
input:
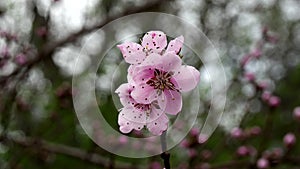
[(161, 81), (144, 107)]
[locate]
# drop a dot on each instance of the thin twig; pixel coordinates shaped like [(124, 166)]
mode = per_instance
[(83, 155), (165, 155)]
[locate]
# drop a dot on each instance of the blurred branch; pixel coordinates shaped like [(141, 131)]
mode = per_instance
[(49, 48), (42, 145)]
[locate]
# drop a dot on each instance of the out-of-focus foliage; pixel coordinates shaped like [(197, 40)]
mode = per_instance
[(38, 49)]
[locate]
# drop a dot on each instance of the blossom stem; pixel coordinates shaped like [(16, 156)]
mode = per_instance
[(165, 155)]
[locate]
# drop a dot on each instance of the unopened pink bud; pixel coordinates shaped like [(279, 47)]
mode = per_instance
[(202, 138), (41, 31), (249, 76), (266, 96), (255, 131), (21, 59), (274, 101), (245, 60), (297, 113), (185, 143), (256, 53), (242, 151), (262, 163), (263, 85), (4, 53), (123, 140), (237, 133), (206, 154), (289, 140), (192, 153), (194, 131)]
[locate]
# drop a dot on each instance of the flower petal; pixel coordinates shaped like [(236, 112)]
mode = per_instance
[(187, 78), (173, 101), (175, 45), (132, 52), (170, 62), (152, 59), (142, 74), (124, 91), (157, 122), (154, 41), (144, 93), (130, 118), (130, 72)]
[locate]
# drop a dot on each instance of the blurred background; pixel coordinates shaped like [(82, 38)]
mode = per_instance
[(259, 45)]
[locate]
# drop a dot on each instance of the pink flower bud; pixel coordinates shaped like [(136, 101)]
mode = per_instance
[(185, 143), (256, 53), (192, 153), (4, 53), (194, 131), (21, 59), (41, 31), (252, 150), (237, 133), (297, 113), (263, 85), (123, 140), (266, 96), (202, 138), (242, 151), (262, 163), (289, 140), (255, 131), (206, 154), (274, 101), (249, 76), (245, 59)]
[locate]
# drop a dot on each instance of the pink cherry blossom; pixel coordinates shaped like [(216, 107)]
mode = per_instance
[(135, 115), (156, 78), (152, 42), (163, 78)]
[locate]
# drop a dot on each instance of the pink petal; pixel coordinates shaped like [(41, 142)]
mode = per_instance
[(130, 74), (170, 62), (124, 91), (186, 78), (132, 52), (152, 59), (173, 101), (155, 41), (142, 74), (155, 114), (130, 118), (144, 94), (158, 122), (175, 45)]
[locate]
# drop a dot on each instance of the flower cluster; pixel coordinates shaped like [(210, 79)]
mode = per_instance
[(156, 77)]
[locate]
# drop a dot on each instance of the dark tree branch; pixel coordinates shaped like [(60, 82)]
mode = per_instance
[(165, 155), (49, 48), (42, 145)]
